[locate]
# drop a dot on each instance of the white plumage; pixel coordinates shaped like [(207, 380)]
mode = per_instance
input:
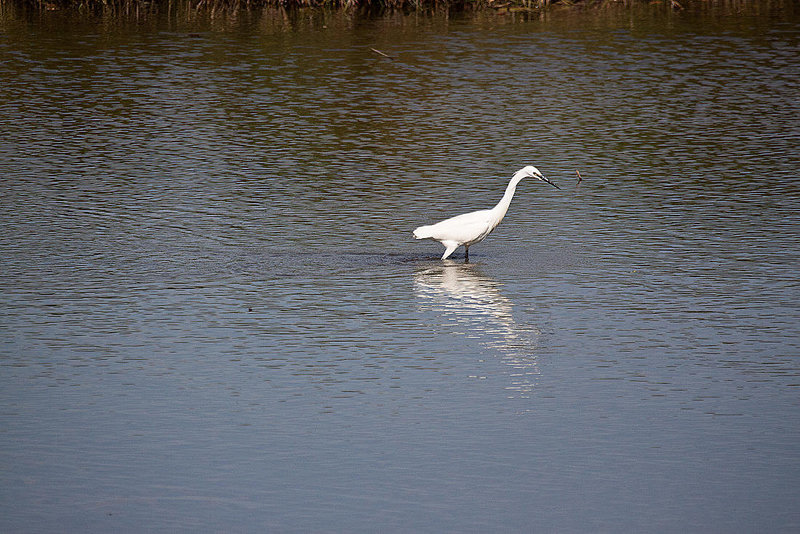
[(471, 228)]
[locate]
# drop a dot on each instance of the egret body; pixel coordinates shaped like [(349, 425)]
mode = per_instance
[(473, 227)]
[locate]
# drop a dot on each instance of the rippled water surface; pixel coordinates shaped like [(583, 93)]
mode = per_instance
[(214, 316)]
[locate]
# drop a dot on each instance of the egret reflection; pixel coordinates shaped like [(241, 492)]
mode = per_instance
[(472, 304)]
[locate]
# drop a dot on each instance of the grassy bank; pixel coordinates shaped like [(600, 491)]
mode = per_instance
[(155, 6)]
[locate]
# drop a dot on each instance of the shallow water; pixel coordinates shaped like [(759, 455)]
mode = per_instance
[(214, 316)]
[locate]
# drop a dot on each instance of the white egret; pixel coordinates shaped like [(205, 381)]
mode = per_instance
[(471, 228)]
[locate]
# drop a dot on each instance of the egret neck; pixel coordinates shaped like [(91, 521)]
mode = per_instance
[(499, 211)]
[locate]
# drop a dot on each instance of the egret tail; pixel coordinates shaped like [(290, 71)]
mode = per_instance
[(423, 232)]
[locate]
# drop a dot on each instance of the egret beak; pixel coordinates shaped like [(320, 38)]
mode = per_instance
[(549, 182)]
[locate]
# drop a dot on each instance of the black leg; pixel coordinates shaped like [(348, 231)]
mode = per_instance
[(466, 254)]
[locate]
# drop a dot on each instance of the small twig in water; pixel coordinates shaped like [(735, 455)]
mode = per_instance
[(381, 53), (580, 178)]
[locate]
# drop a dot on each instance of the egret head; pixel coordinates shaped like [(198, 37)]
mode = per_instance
[(532, 172)]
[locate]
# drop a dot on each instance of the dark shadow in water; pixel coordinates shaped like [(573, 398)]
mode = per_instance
[(473, 305)]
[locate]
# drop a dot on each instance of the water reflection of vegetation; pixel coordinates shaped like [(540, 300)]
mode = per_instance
[(472, 304), (221, 7)]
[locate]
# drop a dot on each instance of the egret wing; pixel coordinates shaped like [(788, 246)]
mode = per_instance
[(466, 228)]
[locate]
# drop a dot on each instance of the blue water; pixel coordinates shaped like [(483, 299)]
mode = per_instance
[(215, 318)]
